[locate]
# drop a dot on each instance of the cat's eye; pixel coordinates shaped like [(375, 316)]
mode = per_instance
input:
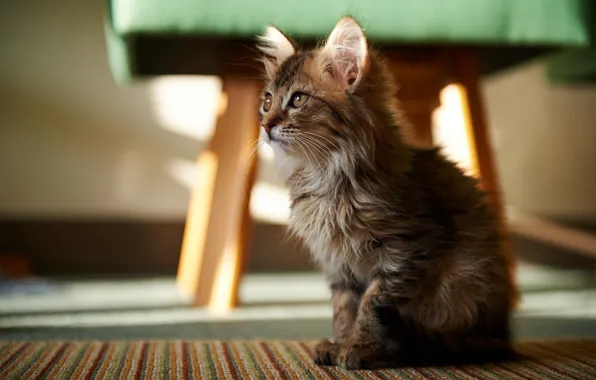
[(298, 99), (267, 102)]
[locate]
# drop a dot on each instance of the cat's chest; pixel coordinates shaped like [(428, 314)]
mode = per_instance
[(330, 229)]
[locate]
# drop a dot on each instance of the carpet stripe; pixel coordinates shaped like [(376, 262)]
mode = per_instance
[(128, 360), (4, 349), (133, 361), (227, 368), (262, 360), (12, 352), (117, 362), (134, 365), (547, 362), (242, 363), (542, 368), (177, 357), (192, 358), (573, 362), (165, 365), (281, 354), (21, 360), (507, 373), (47, 359), (144, 360), (292, 354), (91, 361), (304, 361), (147, 360), (273, 360), (161, 358), (216, 359), (523, 370), (102, 369), (82, 361), (309, 350), (461, 373), (64, 365), (255, 365), (206, 365), (120, 358), (283, 360), (336, 372), (232, 364), (186, 362), (306, 357)]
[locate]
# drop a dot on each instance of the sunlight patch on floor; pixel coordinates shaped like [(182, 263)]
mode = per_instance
[(291, 296)]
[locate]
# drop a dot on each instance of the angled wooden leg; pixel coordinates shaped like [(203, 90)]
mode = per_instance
[(218, 221), (420, 76), (467, 77), (466, 74)]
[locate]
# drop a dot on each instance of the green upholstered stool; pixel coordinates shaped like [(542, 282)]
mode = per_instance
[(430, 43)]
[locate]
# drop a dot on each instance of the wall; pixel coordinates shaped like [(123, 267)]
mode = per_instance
[(544, 136), (72, 143)]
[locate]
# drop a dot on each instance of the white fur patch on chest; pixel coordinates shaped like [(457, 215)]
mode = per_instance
[(328, 229), (324, 216)]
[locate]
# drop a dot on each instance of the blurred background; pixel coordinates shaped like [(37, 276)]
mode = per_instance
[(96, 178)]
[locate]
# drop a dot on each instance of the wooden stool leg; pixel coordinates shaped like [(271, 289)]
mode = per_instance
[(419, 113), (467, 77), (466, 73), (218, 221), (420, 75)]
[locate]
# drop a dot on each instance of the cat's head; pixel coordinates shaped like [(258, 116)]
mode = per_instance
[(326, 101)]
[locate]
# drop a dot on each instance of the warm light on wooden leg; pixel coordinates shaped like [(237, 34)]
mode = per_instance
[(466, 74), (199, 208), (218, 221), (450, 130)]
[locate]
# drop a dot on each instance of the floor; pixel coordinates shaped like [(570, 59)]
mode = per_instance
[(555, 303)]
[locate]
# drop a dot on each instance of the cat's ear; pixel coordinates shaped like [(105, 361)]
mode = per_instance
[(276, 48), (346, 53)]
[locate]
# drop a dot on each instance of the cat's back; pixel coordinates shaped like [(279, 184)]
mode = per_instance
[(452, 197), (437, 176)]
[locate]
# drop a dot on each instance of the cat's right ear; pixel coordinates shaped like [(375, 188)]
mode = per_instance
[(276, 48), (345, 53)]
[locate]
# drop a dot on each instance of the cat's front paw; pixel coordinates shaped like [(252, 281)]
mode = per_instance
[(326, 353), (361, 355)]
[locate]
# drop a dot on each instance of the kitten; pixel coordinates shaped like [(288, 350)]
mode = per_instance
[(408, 243)]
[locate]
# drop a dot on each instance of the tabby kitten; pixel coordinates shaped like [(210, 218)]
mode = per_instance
[(408, 243)]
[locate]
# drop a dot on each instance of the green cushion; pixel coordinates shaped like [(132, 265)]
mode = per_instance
[(572, 66), (575, 65), (542, 23), (459, 21)]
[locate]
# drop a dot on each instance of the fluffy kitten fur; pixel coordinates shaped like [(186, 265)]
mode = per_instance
[(408, 242)]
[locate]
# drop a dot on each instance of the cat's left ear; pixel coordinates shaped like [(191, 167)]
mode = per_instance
[(346, 53), (276, 48)]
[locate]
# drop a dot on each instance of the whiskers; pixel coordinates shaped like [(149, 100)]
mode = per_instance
[(257, 144), (317, 136), (307, 148), (312, 142)]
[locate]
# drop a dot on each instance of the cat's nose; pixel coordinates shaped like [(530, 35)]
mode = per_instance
[(268, 127)]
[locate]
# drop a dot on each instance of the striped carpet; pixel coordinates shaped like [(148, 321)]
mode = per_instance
[(260, 360)]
